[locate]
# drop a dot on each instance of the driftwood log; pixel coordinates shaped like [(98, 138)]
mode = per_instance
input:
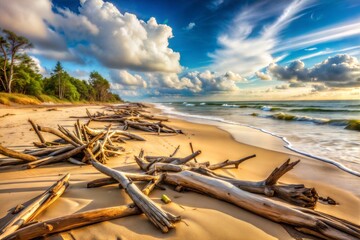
[(76, 220), (304, 220), (35, 207), (158, 217)]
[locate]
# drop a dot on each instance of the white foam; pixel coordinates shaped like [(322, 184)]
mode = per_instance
[(229, 105), (288, 145), (266, 108)]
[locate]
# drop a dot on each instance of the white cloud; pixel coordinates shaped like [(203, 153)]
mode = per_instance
[(341, 70), (31, 19), (190, 26), (127, 80), (282, 87), (190, 83), (242, 52), (234, 77), (124, 41), (311, 49), (329, 51), (332, 33), (263, 76), (117, 40), (37, 62)]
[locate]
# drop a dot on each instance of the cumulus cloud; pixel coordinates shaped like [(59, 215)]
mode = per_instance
[(127, 80), (32, 19), (319, 88), (117, 40), (339, 71), (190, 26), (190, 83), (262, 75), (282, 87), (213, 82), (296, 84)]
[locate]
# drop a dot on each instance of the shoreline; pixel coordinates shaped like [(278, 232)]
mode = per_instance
[(215, 121), (203, 217)]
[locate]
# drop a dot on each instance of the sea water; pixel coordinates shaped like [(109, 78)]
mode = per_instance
[(314, 128)]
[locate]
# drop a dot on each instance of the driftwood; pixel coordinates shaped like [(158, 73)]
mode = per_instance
[(173, 160), (296, 194), (94, 132), (38, 133), (228, 162), (35, 207), (107, 181), (57, 158), (73, 221), (158, 217), (304, 220), (22, 156), (134, 117), (59, 134)]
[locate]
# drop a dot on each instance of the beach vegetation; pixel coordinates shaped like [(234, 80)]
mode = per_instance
[(20, 75), (18, 98)]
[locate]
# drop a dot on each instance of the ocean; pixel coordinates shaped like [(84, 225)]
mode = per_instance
[(314, 128)]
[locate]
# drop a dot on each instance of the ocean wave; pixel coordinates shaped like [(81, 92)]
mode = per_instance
[(229, 105), (288, 145), (322, 110), (269, 108), (189, 104), (349, 124)]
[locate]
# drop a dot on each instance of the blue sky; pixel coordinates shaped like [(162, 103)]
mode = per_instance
[(216, 49)]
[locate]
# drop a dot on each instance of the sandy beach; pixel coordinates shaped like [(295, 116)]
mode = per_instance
[(203, 217)]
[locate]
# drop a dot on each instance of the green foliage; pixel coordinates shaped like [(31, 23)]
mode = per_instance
[(27, 79), (23, 77), (12, 47)]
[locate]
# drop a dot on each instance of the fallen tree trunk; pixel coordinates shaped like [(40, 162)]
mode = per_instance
[(296, 194), (22, 156), (307, 221), (158, 217), (35, 207), (76, 220)]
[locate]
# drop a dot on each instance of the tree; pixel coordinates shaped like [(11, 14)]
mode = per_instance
[(58, 75), (10, 46), (100, 85), (27, 79)]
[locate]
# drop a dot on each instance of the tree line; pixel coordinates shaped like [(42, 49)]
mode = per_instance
[(20, 74)]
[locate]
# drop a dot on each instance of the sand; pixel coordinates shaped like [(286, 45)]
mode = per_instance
[(203, 217)]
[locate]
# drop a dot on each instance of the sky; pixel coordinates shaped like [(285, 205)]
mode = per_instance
[(161, 50)]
